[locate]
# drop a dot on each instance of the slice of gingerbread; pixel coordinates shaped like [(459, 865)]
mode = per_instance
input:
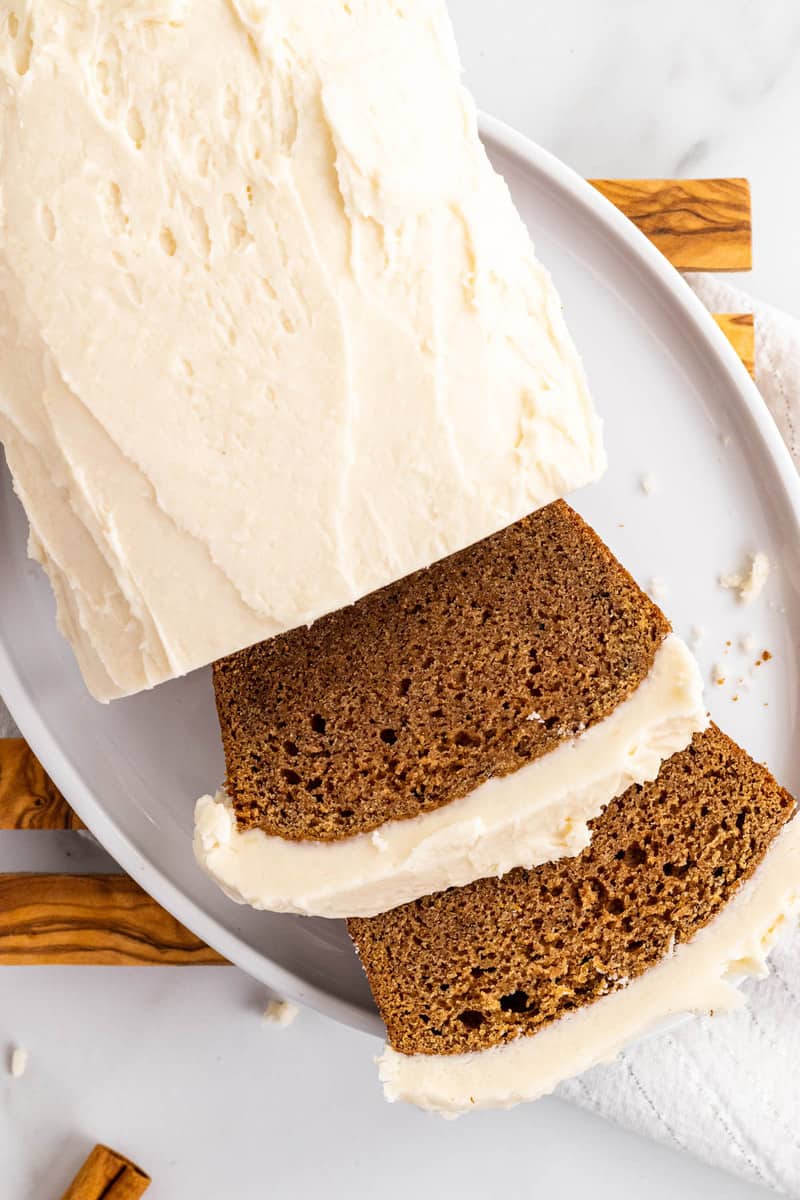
[(472, 718), (494, 993)]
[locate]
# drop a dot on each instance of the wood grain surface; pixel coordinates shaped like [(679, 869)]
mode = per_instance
[(739, 329), (28, 798), (699, 224), (100, 920), (107, 1175)]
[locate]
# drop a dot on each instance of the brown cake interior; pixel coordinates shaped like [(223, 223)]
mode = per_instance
[(416, 694), (476, 966)]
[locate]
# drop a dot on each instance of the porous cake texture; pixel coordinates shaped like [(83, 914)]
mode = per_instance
[(418, 693), (475, 967)]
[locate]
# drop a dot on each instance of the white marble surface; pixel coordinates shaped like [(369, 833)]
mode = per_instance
[(175, 1067), (636, 88)]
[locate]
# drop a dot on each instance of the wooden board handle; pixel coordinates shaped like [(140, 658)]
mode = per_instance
[(100, 920), (28, 797), (699, 224), (739, 329), (107, 1175)]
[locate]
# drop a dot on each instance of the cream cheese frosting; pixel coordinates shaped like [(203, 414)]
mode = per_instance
[(272, 333), (537, 814), (700, 976)]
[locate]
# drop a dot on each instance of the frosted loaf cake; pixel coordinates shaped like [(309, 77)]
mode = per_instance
[(272, 333)]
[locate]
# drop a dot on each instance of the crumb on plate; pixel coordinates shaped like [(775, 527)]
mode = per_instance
[(280, 1012), (750, 583), (18, 1062)]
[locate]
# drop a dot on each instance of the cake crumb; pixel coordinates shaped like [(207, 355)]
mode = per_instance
[(18, 1062), (657, 589), (749, 584), (747, 643), (697, 636), (765, 655), (717, 675), (280, 1013), (649, 484)]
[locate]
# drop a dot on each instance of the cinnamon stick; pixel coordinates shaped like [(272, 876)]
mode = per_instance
[(107, 1175)]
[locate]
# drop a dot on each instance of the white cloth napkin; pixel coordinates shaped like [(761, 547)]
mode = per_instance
[(726, 1089)]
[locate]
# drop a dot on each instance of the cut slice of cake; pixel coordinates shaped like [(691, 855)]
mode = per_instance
[(469, 719), (494, 993), (271, 338)]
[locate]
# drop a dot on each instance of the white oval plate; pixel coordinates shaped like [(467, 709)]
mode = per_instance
[(677, 405)]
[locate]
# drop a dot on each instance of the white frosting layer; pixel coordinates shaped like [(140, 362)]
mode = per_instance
[(701, 976), (272, 333), (534, 815)]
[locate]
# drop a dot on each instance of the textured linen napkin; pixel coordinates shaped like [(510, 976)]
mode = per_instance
[(725, 1089)]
